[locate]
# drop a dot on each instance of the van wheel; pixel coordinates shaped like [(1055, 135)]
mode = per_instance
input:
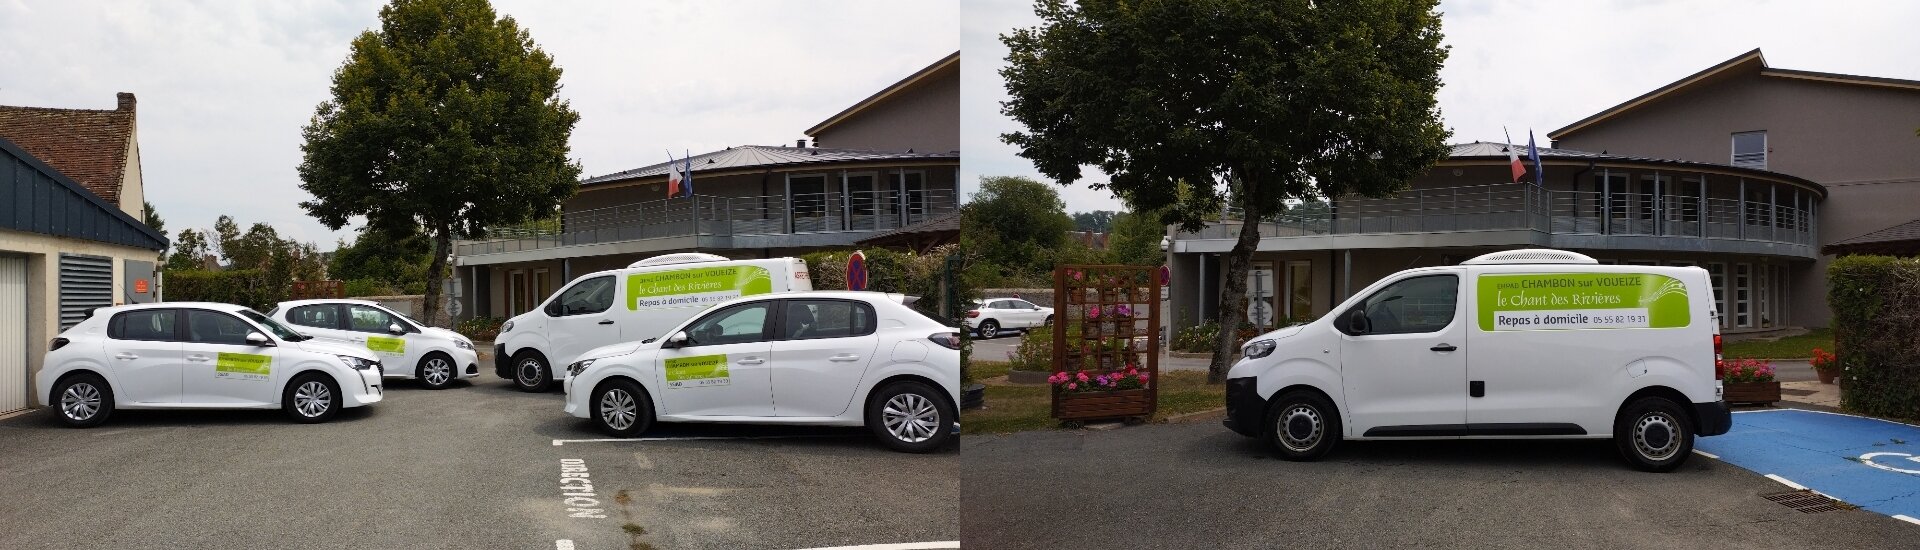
[(85, 400), (621, 408), (989, 329), (311, 399), (1653, 434), (435, 371), (1302, 426), (530, 372), (910, 417)]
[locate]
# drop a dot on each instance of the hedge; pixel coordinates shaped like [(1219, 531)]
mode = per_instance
[(1876, 304), (247, 287)]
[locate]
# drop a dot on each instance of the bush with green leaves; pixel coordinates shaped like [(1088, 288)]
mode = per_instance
[(1876, 304), (253, 288), (480, 329)]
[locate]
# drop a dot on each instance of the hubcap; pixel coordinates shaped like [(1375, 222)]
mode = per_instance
[(1300, 428), (910, 417), (529, 371), (618, 410), (437, 371), (81, 401), (1655, 436), (312, 398)]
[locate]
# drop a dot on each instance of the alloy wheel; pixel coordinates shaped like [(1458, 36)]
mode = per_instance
[(437, 371), (911, 417), (617, 409), (312, 398), (81, 401)]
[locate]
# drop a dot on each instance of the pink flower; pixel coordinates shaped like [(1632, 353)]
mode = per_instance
[(1093, 313), (1076, 274), (1143, 378), (1083, 376), (1072, 386)]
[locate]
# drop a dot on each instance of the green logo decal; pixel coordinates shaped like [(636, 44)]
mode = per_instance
[(387, 346), (697, 372), (698, 286), (242, 366), (1561, 301)]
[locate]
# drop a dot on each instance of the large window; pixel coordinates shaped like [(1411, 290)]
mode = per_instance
[(808, 319), (142, 324), (316, 316), (590, 296), (734, 325), (809, 199), (1743, 295), (368, 319), (213, 327), (1299, 290), (1750, 149), (1415, 305), (1718, 272)]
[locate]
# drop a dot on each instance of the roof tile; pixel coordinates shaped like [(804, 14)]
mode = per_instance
[(89, 146)]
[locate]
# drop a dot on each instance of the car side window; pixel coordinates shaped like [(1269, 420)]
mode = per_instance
[(145, 324), (808, 319), (590, 296), (316, 316), (1019, 304), (1414, 305), (367, 319), (736, 324), (213, 327), (1001, 304)]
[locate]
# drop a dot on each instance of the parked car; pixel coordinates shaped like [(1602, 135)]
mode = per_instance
[(195, 355), (409, 349), (1517, 344), (812, 358), (988, 318), (626, 305)]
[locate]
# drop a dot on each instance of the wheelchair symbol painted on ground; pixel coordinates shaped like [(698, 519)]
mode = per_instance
[(1911, 464)]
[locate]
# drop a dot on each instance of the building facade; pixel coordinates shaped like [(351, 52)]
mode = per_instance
[(886, 163)]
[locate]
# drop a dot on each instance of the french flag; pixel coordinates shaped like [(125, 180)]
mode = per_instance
[(680, 175), (1514, 159)]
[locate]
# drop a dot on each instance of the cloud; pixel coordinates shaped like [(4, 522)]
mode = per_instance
[(224, 86)]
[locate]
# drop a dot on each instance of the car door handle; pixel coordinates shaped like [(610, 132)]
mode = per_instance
[(844, 357), (126, 356), (606, 321), (1444, 347), (751, 361), (198, 358)]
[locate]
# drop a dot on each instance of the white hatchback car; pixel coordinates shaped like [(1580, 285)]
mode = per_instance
[(989, 317), (409, 349), (195, 355), (810, 358)]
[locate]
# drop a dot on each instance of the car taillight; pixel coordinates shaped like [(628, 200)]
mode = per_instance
[(1719, 365), (57, 344), (973, 313), (949, 340)]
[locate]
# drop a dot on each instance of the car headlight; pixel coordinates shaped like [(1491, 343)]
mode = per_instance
[(1258, 349), (463, 344), (579, 366), (357, 363), (506, 327)]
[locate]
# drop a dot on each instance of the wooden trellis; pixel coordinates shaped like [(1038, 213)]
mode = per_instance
[(1106, 318)]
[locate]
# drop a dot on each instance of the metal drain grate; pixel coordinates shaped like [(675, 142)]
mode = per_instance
[(1807, 502)]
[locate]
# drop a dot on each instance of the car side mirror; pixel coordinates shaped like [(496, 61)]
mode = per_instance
[(258, 340), (395, 328), (1357, 322), (678, 340)]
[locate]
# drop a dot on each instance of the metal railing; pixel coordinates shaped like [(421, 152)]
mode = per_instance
[(707, 215), (1530, 207)]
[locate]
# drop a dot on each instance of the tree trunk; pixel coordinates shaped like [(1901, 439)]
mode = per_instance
[(1233, 294), (436, 272)]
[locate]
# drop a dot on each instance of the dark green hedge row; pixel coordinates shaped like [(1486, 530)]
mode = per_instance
[(247, 287), (1876, 307)]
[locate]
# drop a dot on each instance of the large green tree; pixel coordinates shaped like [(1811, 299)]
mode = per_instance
[(1253, 101), (396, 259), (190, 250), (1016, 225), (1135, 239), (445, 120)]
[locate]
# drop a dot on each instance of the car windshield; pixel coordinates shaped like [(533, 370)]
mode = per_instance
[(277, 329)]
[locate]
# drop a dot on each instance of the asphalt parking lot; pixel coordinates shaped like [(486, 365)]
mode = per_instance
[(1197, 485), (480, 465)]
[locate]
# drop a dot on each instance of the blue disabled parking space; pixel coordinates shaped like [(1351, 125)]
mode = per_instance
[(1866, 462)]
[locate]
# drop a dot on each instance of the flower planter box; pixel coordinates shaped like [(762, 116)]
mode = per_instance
[(1752, 392), (1098, 405)]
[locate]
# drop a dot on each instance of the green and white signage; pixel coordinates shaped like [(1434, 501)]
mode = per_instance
[(387, 346), (1564, 301), (698, 372), (700, 286), (242, 366)]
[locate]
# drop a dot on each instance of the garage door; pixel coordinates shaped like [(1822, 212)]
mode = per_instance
[(13, 334)]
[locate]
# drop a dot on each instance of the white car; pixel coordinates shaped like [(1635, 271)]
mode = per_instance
[(989, 317), (812, 358), (409, 349), (195, 355)]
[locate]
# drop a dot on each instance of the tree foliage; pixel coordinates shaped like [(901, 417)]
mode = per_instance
[(446, 119), (1135, 239), (1018, 226), (1254, 102), (190, 250), (1097, 220), (383, 258)]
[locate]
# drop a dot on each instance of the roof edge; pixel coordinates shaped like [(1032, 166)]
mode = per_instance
[(1842, 78), (1610, 112), (41, 165), (908, 82)]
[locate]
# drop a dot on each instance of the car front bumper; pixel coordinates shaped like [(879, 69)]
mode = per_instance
[(368, 392), (1244, 406), (466, 363)]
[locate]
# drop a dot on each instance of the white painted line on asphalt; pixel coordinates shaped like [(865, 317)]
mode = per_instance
[(1706, 454), (559, 442), (563, 544), (1906, 518), (900, 546), (1787, 482)]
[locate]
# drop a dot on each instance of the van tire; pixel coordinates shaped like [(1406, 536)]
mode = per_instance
[(911, 397), (531, 373), (620, 394), (1654, 434), (1292, 421), (88, 389)]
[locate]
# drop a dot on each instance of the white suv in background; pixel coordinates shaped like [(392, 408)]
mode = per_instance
[(812, 358), (434, 356), (989, 317), (194, 355)]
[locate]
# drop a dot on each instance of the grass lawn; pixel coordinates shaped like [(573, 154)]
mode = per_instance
[(1791, 347), (1021, 408)]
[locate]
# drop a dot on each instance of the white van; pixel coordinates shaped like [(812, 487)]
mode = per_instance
[(1517, 344), (625, 305)]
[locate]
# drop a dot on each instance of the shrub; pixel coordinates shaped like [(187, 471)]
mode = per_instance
[(247, 287), (1197, 338), (480, 329), (1876, 304), (1742, 371)]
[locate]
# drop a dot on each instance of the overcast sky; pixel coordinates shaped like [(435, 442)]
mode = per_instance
[(1521, 64), (224, 86)]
